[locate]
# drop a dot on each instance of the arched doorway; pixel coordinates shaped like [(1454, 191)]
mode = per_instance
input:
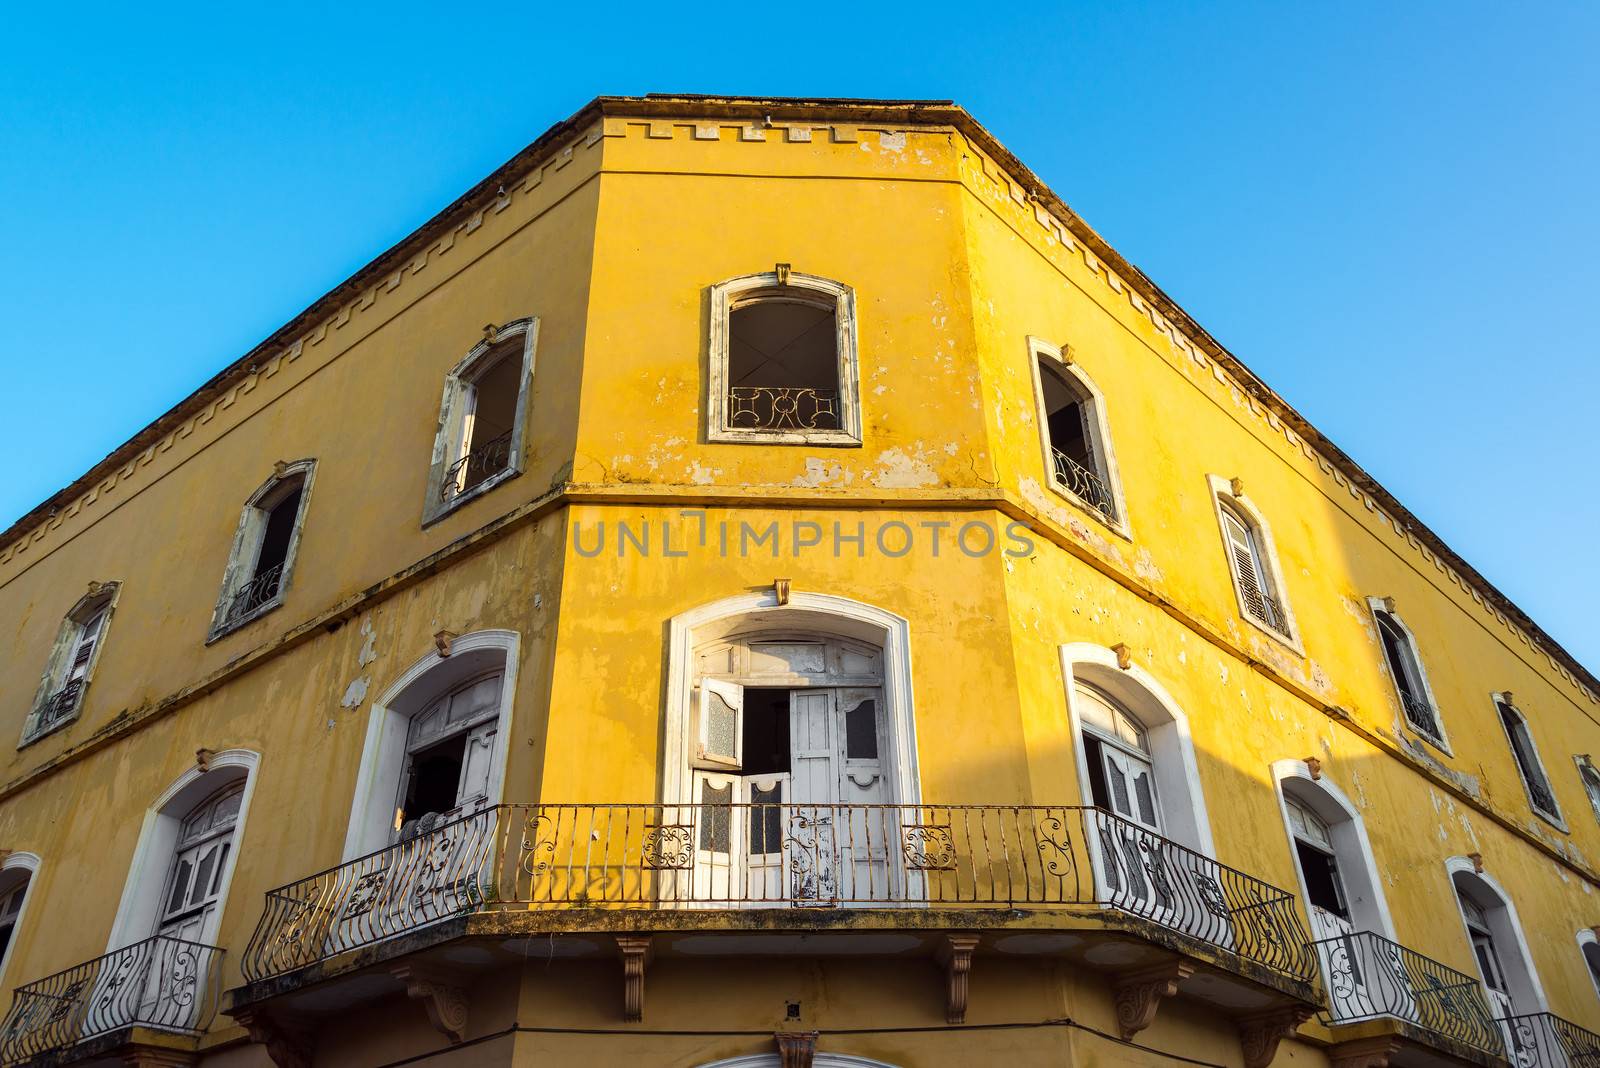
[(1498, 946)]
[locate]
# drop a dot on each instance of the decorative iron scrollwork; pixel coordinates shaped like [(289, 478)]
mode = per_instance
[(928, 846), (1055, 848), (782, 408), (668, 847)]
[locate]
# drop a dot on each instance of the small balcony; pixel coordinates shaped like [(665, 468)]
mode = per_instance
[(1084, 484), (1427, 1006), (783, 408), (255, 594), (61, 704), (1545, 1040), (476, 467), (158, 993)]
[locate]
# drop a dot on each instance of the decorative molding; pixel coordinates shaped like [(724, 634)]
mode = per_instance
[(955, 956), (288, 1041), (1139, 994), (1261, 1032), (445, 1000), (635, 959), (796, 1049)]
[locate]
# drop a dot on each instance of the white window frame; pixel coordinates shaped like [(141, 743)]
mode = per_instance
[(1095, 426), (1555, 819), (101, 598), (1586, 937), (1352, 849), (1442, 741), (1589, 778), (247, 543), (1223, 500), (26, 862), (449, 437), (1503, 921), (728, 296)]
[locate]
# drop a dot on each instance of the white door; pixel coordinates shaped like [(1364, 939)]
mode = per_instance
[(814, 817), (740, 829), (1137, 868), (871, 827)]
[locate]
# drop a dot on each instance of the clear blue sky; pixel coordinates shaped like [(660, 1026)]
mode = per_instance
[(1389, 211)]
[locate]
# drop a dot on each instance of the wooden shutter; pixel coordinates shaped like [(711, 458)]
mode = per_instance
[(719, 742), (1246, 565), (476, 764), (83, 648), (1131, 784)]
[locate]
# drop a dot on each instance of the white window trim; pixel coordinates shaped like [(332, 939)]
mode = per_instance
[(452, 415), (30, 863), (246, 541), (383, 754), (1222, 496), (1442, 742), (1555, 819), (58, 664), (1099, 431), (1586, 937), (140, 906), (1585, 762), (816, 613), (727, 296), (1284, 770), (1465, 865), (1177, 773)]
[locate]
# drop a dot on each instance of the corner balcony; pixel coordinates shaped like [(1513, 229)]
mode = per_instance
[(153, 996), (1545, 1040), (651, 880), (1381, 993)]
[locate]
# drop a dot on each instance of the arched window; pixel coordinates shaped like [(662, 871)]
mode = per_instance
[(72, 662), (1117, 749), (782, 361), (482, 418), (1589, 946), (1498, 946), (1590, 776), (201, 857), (1077, 445), (1405, 670), (1526, 754), (1256, 579), (262, 558), (17, 874)]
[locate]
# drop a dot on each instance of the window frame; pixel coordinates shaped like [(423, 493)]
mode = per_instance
[(240, 571), (1243, 510), (1554, 818), (100, 600), (1589, 774), (29, 864), (1377, 605), (1586, 936), (728, 296), (448, 434), (1096, 429)]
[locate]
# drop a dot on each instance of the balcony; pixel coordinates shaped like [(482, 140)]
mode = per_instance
[(1426, 1005), (476, 467), (1544, 1040), (1084, 484), (254, 595), (151, 994), (782, 408)]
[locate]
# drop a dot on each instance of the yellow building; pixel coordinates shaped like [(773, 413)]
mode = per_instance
[(839, 613)]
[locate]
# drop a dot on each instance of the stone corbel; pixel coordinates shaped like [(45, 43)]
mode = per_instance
[(288, 1041), (796, 1049), (443, 997), (635, 958), (1139, 994), (1260, 1033), (153, 1057), (1363, 1052), (955, 956)]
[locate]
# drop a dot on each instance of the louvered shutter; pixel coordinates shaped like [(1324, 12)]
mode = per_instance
[(1246, 567), (83, 648)]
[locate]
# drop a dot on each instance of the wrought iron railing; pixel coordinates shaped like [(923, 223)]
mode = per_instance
[(62, 703), (1545, 1040), (1084, 484), (1368, 976), (1419, 713), (1267, 610), (477, 466), (259, 591), (782, 408), (521, 857), (162, 982)]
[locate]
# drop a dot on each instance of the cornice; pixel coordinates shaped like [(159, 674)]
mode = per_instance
[(1009, 180)]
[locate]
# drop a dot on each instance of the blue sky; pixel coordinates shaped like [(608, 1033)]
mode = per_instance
[(1388, 210)]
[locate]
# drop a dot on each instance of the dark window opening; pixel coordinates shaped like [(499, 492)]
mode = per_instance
[(1098, 790), (716, 817), (486, 444), (1072, 453), (783, 366), (278, 532), (1321, 873), (766, 732), (435, 779), (861, 731), (766, 818), (1527, 762)]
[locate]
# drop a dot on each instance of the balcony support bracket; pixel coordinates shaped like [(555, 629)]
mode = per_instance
[(955, 956), (443, 997), (1140, 993), (635, 958), (1260, 1033), (288, 1041), (1363, 1052), (796, 1049)]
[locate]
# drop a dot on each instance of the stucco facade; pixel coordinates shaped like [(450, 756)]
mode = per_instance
[(939, 565)]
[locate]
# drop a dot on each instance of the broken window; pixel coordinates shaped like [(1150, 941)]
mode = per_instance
[(72, 660), (481, 418), (264, 548), (1526, 755), (783, 362), (1254, 580), (1405, 668), (1074, 436)]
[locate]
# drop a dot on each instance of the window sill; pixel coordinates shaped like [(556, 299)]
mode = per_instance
[(1435, 743), (444, 508), (220, 632), (1288, 641), (41, 735), (1117, 526), (1555, 821), (835, 439)]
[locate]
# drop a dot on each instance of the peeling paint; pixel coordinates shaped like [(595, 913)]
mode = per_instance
[(355, 693)]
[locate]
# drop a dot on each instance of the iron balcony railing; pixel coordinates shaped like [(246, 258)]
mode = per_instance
[(162, 982), (477, 466), (1084, 484), (1267, 610), (1368, 976), (782, 408), (662, 856), (1545, 1040), (62, 703), (259, 591), (1419, 713)]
